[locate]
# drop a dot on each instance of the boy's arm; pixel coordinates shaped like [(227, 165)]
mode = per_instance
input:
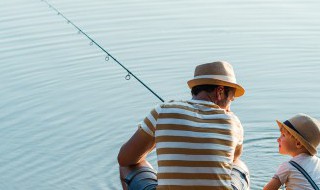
[(136, 149), (274, 184)]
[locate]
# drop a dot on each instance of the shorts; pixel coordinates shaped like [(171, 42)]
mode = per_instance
[(142, 178), (239, 178), (145, 178)]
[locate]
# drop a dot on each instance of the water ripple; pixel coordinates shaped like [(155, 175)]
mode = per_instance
[(65, 111)]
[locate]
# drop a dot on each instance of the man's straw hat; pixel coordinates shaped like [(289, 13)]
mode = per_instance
[(305, 129), (216, 73)]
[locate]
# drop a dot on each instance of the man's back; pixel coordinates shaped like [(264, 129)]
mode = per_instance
[(195, 144)]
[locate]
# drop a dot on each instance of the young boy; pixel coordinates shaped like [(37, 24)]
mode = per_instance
[(300, 137)]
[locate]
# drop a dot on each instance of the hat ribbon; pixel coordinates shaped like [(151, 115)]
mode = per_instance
[(219, 77), (287, 123)]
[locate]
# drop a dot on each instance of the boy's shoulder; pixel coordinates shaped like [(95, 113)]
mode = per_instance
[(301, 158)]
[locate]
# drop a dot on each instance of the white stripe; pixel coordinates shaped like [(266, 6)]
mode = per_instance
[(202, 102), (234, 117), (158, 108), (188, 105), (152, 120), (179, 133), (193, 182), (209, 146), (194, 124), (193, 157), (219, 77), (194, 114), (146, 128), (206, 170)]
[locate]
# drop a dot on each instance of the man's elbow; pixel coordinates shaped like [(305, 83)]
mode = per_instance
[(236, 157), (122, 158), (120, 161), (237, 153)]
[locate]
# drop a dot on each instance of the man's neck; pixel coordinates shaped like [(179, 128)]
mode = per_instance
[(202, 96)]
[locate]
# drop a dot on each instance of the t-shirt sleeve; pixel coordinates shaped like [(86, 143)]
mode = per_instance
[(238, 128), (150, 121), (240, 133), (283, 172)]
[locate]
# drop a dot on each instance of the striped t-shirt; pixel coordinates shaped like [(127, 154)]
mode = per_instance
[(195, 144)]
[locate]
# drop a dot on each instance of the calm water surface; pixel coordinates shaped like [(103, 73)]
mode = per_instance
[(65, 111)]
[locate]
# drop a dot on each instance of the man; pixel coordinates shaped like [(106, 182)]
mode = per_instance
[(198, 142)]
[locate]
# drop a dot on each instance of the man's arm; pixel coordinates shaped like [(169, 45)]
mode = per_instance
[(239, 147), (237, 152), (136, 149)]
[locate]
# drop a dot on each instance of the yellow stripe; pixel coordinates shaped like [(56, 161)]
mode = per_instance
[(195, 119), (154, 114), (203, 104), (211, 112), (194, 163), (193, 140), (194, 176), (194, 129), (176, 187), (193, 151), (149, 124), (219, 110)]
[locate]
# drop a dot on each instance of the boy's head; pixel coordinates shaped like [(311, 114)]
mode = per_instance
[(305, 129), (289, 145)]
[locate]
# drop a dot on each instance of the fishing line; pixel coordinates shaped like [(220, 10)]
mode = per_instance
[(92, 41)]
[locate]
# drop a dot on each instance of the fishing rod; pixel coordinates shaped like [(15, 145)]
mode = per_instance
[(80, 31)]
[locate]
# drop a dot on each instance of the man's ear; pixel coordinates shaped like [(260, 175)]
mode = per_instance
[(220, 92)]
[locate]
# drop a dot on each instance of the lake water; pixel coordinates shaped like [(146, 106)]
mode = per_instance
[(65, 111)]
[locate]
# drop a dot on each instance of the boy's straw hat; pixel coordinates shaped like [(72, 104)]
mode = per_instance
[(305, 129), (216, 73)]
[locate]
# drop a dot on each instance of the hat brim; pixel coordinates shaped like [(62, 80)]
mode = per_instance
[(203, 81), (305, 143)]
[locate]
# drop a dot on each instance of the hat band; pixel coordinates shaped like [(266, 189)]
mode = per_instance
[(287, 123), (219, 77)]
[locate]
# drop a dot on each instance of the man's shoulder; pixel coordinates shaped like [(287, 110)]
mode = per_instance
[(198, 107), (174, 103), (233, 116)]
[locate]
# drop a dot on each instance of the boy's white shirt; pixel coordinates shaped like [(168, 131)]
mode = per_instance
[(293, 179)]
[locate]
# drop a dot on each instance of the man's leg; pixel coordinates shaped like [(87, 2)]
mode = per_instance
[(240, 178), (144, 176), (138, 177)]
